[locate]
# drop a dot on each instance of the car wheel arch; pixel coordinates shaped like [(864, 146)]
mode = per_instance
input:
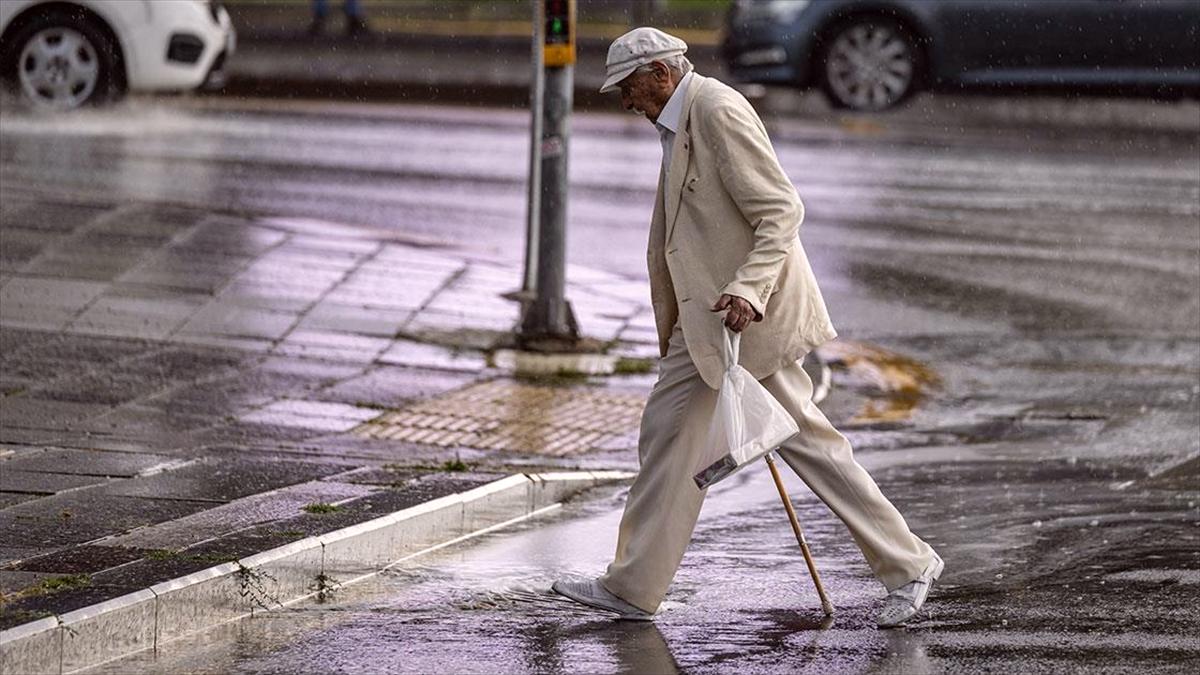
[(910, 23), (31, 13)]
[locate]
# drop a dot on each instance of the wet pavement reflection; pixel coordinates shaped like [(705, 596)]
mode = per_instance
[(485, 606), (742, 601)]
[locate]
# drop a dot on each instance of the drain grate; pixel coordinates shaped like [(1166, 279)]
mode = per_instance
[(513, 416)]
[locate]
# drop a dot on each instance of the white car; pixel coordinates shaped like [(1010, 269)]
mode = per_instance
[(63, 54)]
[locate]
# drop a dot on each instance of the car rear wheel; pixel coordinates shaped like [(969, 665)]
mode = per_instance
[(869, 64), (63, 61)]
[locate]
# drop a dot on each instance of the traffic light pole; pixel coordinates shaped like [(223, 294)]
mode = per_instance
[(537, 87), (548, 321)]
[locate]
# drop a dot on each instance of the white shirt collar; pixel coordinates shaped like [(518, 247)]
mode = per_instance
[(669, 117)]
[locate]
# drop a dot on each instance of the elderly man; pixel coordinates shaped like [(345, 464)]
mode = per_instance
[(723, 238)]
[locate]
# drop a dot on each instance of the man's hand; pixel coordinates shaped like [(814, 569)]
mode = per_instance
[(740, 312)]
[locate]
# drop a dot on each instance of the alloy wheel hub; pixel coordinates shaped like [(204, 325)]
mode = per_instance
[(58, 68)]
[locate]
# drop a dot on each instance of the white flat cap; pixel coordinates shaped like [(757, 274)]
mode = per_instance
[(637, 48)]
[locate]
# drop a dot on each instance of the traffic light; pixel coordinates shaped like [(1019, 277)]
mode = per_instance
[(558, 47)]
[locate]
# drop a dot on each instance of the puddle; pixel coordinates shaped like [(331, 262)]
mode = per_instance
[(899, 383), (742, 601)]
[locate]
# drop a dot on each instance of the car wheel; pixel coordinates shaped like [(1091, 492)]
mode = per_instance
[(869, 64), (62, 61)]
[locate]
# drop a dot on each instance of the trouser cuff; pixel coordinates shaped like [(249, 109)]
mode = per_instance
[(625, 595)]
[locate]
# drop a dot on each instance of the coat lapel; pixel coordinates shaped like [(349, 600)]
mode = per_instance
[(658, 221), (681, 151)]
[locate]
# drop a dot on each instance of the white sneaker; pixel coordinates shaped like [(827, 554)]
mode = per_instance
[(592, 594), (903, 603)]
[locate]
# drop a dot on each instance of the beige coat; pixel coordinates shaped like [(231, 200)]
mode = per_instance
[(726, 221)]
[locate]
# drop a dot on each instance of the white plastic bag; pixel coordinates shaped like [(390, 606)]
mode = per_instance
[(747, 424)]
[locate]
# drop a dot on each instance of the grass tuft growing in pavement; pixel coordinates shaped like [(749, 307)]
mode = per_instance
[(214, 558), (211, 558), (628, 366), (19, 616), (455, 465), (371, 405), (320, 508), (46, 587), (63, 583), (53, 585), (562, 377)]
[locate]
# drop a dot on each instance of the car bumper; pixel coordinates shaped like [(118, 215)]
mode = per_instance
[(760, 50), (185, 46)]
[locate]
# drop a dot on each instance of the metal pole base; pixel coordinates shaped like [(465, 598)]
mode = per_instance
[(548, 327)]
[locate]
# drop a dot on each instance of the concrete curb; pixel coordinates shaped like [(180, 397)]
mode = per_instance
[(273, 579)]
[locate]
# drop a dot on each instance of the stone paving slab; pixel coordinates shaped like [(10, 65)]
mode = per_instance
[(151, 426), (224, 319), (137, 317), (334, 346), (238, 514), (411, 353), (33, 482), (329, 315), (90, 463), (55, 357), (321, 415), (8, 499), (220, 479), (74, 518), (20, 436), (392, 386), (86, 559), (105, 387), (12, 581), (33, 413)]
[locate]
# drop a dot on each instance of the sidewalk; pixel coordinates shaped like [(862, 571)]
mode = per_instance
[(421, 52), (179, 390), (442, 53)]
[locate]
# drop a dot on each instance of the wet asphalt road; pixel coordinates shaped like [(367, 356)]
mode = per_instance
[(1046, 220), (1047, 276), (742, 602)]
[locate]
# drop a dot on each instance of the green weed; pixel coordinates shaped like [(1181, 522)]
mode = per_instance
[(628, 366)]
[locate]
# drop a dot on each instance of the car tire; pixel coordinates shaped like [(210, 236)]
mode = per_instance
[(869, 64), (62, 60)]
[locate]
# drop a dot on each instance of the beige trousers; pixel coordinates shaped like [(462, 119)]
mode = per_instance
[(664, 502)]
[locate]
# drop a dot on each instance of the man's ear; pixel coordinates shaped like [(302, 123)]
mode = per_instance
[(662, 74)]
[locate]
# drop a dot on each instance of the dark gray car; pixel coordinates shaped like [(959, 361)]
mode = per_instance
[(872, 54)]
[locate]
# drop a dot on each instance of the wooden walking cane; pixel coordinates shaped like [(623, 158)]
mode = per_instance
[(787, 504)]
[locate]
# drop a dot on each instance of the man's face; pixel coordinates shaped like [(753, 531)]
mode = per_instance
[(647, 93)]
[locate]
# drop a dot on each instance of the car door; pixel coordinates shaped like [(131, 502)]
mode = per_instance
[(1014, 42), (1157, 35)]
